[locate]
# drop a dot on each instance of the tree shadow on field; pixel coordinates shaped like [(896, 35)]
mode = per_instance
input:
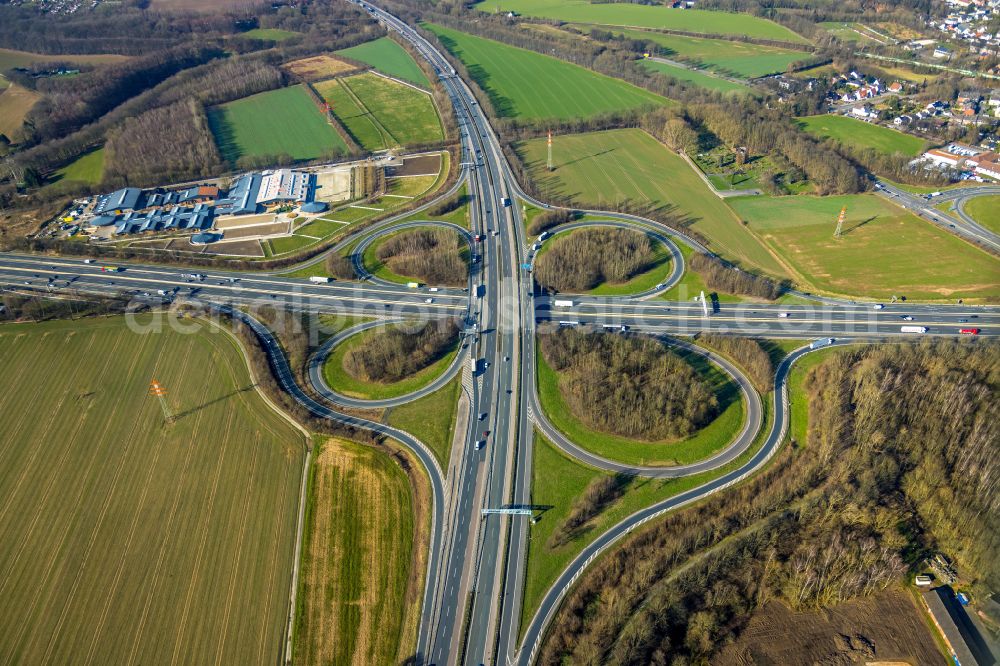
[(213, 401)]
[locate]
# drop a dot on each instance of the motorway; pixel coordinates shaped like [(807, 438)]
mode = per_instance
[(963, 226), (476, 566)]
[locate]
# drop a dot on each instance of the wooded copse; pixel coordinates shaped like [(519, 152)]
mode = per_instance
[(77, 102), (430, 255), (732, 280), (632, 386), (394, 354), (167, 144), (902, 461), (584, 259)]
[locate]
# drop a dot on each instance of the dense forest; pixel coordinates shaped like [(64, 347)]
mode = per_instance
[(433, 256), (395, 353), (627, 385), (583, 259), (901, 461)]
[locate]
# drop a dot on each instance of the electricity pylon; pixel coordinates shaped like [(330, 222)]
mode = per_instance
[(155, 388), (551, 165), (840, 222)]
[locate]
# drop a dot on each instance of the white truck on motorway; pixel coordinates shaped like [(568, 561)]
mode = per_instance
[(319, 280), (562, 303), (816, 344), (912, 329)]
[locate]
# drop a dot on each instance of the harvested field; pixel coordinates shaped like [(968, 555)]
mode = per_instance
[(333, 185), (248, 248), (128, 540), (360, 546), (15, 103), (317, 68), (275, 229), (10, 58), (239, 221), (887, 627), (419, 165)]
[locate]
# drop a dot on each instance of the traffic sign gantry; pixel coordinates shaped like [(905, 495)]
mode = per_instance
[(507, 512)]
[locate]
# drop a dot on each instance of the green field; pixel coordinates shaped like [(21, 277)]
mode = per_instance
[(985, 211), (705, 442), (380, 113), (284, 121), (269, 34), (699, 79), (606, 168), (127, 540), (883, 251), (646, 16), (86, 169), (357, 558), (431, 419), (389, 58), (341, 381), (860, 135), (525, 84), (740, 59)]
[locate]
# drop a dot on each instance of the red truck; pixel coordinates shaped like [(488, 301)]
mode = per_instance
[(969, 331)]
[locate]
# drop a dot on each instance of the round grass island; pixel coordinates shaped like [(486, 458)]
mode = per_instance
[(392, 346)]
